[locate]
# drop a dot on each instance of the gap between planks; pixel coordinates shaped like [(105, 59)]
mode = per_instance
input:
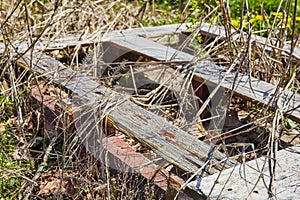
[(121, 155), (244, 85), (166, 140)]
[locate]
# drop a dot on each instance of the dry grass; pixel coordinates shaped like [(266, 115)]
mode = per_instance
[(47, 162), (51, 163)]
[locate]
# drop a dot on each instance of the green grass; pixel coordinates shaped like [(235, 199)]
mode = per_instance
[(11, 170), (260, 15)]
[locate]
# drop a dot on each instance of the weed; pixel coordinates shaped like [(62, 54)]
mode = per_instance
[(12, 169)]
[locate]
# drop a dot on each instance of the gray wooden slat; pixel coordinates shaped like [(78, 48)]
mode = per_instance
[(259, 91), (168, 141), (152, 31), (250, 180), (150, 48), (205, 29), (73, 40), (219, 31)]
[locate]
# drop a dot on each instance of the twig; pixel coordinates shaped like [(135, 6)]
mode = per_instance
[(40, 169), (189, 180)]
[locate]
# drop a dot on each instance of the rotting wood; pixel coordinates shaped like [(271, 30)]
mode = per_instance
[(168, 141), (121, 155), (141, 46), (262, 90)]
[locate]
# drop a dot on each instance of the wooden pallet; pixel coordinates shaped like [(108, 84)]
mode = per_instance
[(171, 143), (166, 140)]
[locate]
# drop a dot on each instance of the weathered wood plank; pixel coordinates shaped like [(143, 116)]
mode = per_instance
[(205, 29), (150, 49), (152, 31), (250, 180), (219, 31), (168, 141), (122, 157), (161, 137), (258, 91), (75, 40)]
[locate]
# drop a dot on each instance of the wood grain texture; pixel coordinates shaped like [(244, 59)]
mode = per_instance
[(250, 180), (205, 29), (245, 86), (168, 141), (258, 91), (150, 49), (78, 40), (122, 156), (219, 32)]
